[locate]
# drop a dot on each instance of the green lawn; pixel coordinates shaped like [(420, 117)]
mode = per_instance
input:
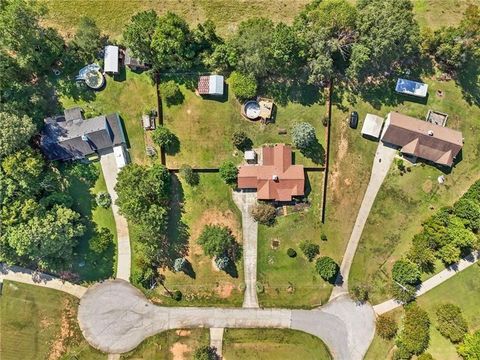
[(405, 201), (39, 323), (272, 344), (208, 203), (437, 13), (89, 265), (292, 282), (130, 95), (205, 127), (170, 345)]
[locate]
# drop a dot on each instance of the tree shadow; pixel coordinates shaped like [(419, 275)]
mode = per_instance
[(177, 231), (468, 79), (176, 99), (174, 145), (298, 91), (188, 270), (315, 152)]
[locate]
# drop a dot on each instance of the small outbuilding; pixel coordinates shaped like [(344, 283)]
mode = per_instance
[(111, 59), (133, 62), (409, 87), (211, 85), (148, 122), (372, 126), (250, 156)]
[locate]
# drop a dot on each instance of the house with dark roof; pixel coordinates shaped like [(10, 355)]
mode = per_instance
[(275, 177), (423, 139), (71, 137)]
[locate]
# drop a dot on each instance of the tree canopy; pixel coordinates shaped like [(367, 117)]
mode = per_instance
[(15, 132), (87, 39), (138, 35)]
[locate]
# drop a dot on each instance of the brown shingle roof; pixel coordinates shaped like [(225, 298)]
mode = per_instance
[(277, 162), (203, 84), (423, 139)]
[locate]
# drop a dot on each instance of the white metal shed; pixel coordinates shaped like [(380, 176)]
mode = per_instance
[(372, 126), (111, 59)]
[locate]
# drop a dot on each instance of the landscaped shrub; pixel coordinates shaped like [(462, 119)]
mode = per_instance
[(264, 214), (309, 249), (259, 287), (451, 322), (101, 240), (470, 348), (205, 353), (386, 327), (171, 92), (303, 135), (422, 253), (291, 252), (228, 172), (103, 199), (179, 264), (414, 336), (177, 295), (449, 254), (243, 86), (359, 292), (402, 354), (192, 178), (327, 268), (323, 237), (425, 356), (241, 141), (143, 276), (469, 211), (405, 272), (163, 137), (218, 241)]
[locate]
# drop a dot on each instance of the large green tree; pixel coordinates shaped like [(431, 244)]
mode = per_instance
[(15, 132), (388, 38), (470, 348), (138, 35), (87, 40)]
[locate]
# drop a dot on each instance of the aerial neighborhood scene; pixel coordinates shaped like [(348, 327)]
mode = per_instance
[(233, 179)]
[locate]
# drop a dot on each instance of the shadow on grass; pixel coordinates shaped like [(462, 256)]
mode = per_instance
[(469, 80), (173, 146), (297, 91), (177, 231), (315, 152)]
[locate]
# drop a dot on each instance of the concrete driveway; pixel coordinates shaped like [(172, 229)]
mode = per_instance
[(245, 201), (115, 317), (381, 164), (110, 171)]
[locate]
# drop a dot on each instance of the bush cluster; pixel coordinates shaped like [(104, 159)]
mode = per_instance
[(264, 214), (218, 242), (243, 86), (291, 252), (191, 177), (309, 249), (327, 268), (414, 337), (451, 322), (228, 173), (103, 199), (386, 327)]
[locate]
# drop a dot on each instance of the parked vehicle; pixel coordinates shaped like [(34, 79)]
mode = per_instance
[(353, 119)]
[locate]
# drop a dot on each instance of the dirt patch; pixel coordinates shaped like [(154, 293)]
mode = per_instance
[(67, 332), (275, 244), (427, 186), (183, 332), (179, 351), (342, 150), (224, 290), (215, 217)]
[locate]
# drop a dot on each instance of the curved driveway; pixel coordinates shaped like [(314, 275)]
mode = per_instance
[(115, 317)]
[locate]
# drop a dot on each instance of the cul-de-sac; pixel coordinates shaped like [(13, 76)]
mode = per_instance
[(240, 180)]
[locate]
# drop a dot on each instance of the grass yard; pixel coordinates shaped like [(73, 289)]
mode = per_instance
[(272, 344), (205, 127), (170, 345), (89, 265), (461, 290), (405, 201), (208, 203), (130, 96), (293, 282), (111, 16), (40, 323), (437, 13)]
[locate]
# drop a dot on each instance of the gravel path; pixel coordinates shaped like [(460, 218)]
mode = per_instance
[(110, 171), (434, 281), (381, 164), (115, 317)]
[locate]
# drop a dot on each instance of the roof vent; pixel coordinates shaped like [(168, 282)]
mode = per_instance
[(430, 133), (275, 177), (85, 138)]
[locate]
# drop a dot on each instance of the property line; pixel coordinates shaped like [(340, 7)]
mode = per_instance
[(327, 150)]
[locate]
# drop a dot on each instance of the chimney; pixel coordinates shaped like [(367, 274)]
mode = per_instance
[(430, 133)]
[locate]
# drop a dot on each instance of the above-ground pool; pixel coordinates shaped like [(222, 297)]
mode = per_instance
[(92, 76), (251, 109)]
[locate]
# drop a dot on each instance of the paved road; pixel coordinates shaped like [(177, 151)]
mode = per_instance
[(16, 273), (434, 281), (110, 171), (115, 317), (245, 201), (381, 164)]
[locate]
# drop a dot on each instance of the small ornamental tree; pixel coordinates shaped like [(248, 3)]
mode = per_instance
[(415, 334), (243, 86), (359, 292), (222, 262), (163, 137), (205, 353), (179, 264), (101, 240), (303, 135), (264, 214), (228, 173), (405, 272), (309, 249), (403, 293), (470, 348), (386, 327), (291, 252), (451, 322), (192, 178), (327, 268), (241, 141), (103, 199), (216, 240)]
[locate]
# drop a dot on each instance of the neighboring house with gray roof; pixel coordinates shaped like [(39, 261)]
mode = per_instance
[(71, 137)]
